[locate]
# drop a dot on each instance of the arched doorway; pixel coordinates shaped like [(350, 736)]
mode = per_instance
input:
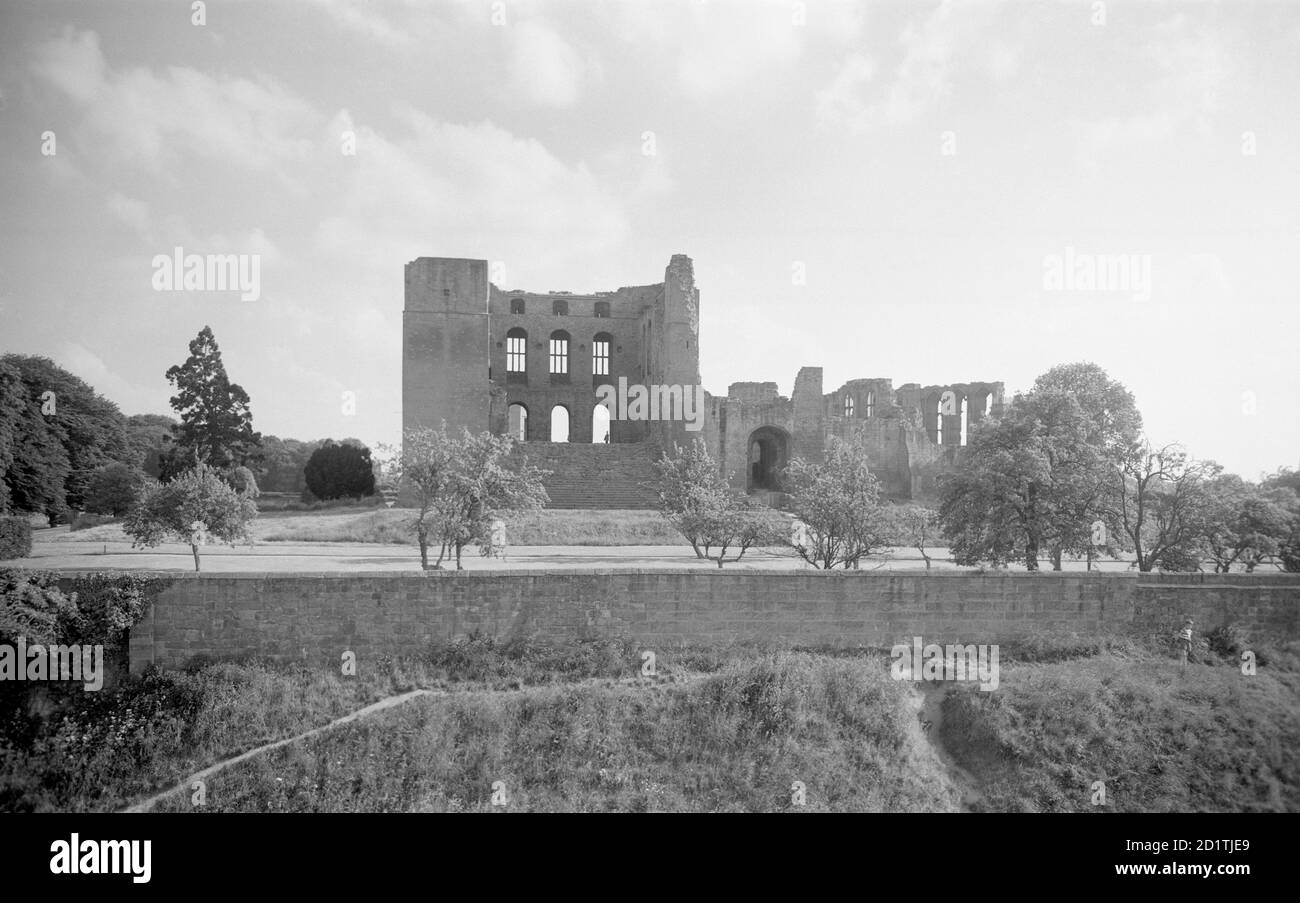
[(600, 424), (519, 422), (769, 452), (559, 423)]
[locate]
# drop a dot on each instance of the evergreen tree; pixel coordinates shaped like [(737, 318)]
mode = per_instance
[(216, 425)]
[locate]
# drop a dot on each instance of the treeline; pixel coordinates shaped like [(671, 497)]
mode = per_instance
[(1067, 471), (64, 448)]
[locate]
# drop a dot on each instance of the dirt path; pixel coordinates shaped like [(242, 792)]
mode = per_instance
[(663, 680), (930, 714)]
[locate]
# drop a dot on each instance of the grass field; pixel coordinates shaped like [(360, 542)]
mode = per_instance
[(576, 728), (548, 527)]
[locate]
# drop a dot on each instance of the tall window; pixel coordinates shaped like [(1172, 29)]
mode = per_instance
[(560, 352), (988, 404), (871, 403), (938, 422), (559, 423), (848, 406), (516, 305), (560, 308), (600, 354), (602, 309), (600, 423), (519, 422), (516, 351), (965, 426)]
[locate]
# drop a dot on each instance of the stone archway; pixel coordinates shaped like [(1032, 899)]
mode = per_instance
[(768, 452)]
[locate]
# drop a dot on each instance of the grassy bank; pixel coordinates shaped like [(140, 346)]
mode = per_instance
[(1162, 738), (575, 727), (736, 740)]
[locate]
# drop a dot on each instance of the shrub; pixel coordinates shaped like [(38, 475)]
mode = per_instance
[(113, 489), (15, 537), (33, 607), (86, 521), (335, 471)]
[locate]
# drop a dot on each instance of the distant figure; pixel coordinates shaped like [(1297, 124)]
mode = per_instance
[(1185, 641), (606, 439)]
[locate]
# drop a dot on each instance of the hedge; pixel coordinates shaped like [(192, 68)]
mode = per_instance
[(15, 537)]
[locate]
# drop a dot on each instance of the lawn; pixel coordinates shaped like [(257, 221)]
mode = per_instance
[(548, 527)]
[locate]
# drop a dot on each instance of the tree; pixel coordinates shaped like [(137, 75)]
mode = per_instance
[(195, 505), (701, 505), (914, 527), (1282, 490), (58, 434), (838, 500), (113, 489), (461, 486), (216, 426), (148, 439), (1164, 504), (1038, 477), (340, 471), (283, 464)]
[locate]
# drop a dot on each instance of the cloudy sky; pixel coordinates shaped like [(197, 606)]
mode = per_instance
[(919, 163)]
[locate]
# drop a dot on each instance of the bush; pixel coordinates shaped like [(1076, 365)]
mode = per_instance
[(86, 521), (15, 537), (113, 489), (32, 606), (337, 471)]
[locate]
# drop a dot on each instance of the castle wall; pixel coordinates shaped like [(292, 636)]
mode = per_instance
[(456, 336)]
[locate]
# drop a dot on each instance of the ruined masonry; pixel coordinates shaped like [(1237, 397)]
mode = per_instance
[(530, 363)]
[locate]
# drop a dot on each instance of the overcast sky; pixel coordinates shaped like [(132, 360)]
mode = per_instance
[(919, 162)]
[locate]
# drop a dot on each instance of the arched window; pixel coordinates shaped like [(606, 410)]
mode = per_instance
[(560, 308), (988, 404), (519, 422), (871, 403), (560, 352), (600, 423), (600, 357), (964, 423), (848, 405), (516, 305), (938, 422), (517, 351), (559, 423)]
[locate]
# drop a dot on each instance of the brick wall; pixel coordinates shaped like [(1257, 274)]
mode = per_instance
[(294, 616)]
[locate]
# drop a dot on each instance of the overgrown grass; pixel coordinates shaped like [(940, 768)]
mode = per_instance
[(67, 750), (575, 727), (1162, 738), (736, 740)]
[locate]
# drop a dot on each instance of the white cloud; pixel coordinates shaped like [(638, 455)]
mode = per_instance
[(365, 20), (466, 190), (544, 67), (145, 118)]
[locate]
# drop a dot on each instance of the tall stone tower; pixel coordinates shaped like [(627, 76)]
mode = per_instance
[(445, 344), (678, 352)]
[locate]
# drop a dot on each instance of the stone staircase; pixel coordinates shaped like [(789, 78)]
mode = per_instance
[(595, 475)]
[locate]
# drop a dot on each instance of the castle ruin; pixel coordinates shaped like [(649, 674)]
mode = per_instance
[(533, 364)]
